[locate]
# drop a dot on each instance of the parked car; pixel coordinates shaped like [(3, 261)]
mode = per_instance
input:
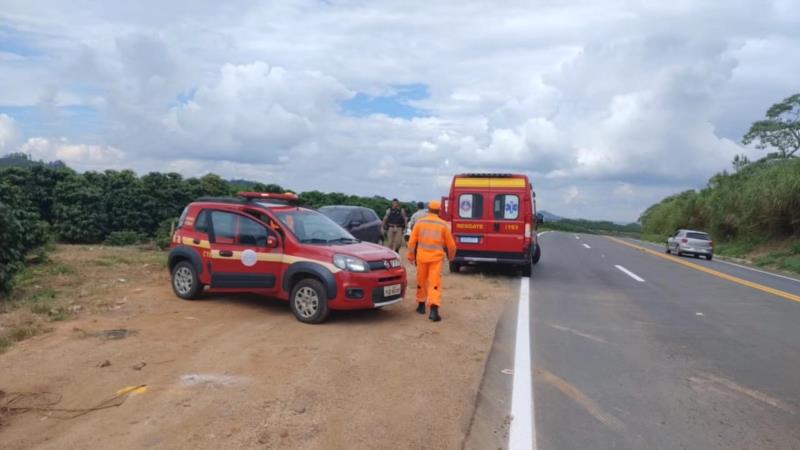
[(690, 242), (493, 219), (266, 244), (361, 222)]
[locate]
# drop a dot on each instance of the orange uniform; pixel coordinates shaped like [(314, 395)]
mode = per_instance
[(431, 241)]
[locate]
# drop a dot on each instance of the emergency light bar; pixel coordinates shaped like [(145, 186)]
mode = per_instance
[(288, 197)]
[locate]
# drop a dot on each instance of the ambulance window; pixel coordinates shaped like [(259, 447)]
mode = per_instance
[(506, 206), (470, 206), (224, 227)]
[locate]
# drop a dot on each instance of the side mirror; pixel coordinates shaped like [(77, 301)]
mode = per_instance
[(272, 242), (539, 218)]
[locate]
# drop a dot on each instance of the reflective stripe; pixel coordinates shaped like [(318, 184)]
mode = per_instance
[(432, 234), (433, 221), (430, 246)]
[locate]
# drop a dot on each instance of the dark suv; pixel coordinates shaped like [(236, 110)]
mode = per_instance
[(266, 244), (361, 222)]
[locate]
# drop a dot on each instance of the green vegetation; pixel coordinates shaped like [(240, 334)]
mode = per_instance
[(592, 227), (39, 200), (753, 210)]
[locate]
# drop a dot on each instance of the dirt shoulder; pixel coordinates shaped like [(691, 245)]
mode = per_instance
[(241, 372)]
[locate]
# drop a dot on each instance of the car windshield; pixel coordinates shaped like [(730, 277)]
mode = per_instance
[(311, 227), (700, 236), (338, 215)]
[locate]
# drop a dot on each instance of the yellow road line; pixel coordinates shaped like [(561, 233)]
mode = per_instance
[(724, 276)]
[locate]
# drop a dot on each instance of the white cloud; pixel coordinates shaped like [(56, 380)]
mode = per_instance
[(618, 98), (8, 133), (80, 156)]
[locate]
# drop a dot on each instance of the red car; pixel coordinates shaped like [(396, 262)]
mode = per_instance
[(493, 219), (267, 244)]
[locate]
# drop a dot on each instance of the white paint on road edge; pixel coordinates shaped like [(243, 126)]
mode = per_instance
[(522, 435), (759, 271), (586, 245), (630, 274)]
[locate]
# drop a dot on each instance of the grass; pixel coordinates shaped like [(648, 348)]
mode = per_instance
[(73, 278)]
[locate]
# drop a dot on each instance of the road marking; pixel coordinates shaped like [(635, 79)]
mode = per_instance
[(578, 333), (759, 271), (741, 266), (724, 276), (522, 435), (577, 237), (586, 245), (630, 274), (581, 399), (698, 314), (707, 378)]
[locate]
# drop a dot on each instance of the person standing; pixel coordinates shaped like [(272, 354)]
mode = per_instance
[(421, 212), (395, 221), (431, 241)]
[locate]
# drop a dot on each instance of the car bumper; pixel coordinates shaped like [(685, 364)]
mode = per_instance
[(478, 257), (366, 290), (696, 250)]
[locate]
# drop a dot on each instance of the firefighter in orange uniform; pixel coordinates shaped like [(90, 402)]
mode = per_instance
[(431, 241)]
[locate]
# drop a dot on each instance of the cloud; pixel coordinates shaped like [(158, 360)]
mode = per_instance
[(79, 156), (8, 132), (615, 103)]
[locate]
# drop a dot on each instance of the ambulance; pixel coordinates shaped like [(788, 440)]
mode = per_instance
[(493, 219)]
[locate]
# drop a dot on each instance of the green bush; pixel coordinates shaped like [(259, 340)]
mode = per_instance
[(164, 232), (120, 238), (21, 231)]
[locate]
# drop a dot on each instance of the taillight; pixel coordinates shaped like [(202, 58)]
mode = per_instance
[(527, 231), (684, 241)]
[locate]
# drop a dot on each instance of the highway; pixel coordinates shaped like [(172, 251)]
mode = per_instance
[(632, 350)]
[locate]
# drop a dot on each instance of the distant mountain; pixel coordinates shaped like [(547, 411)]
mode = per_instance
[(550, 217), (24, 160)]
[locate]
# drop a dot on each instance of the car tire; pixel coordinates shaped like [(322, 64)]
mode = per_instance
[(678, 250), (537, 254), (185, 282), (455, 267), (709, 257), (309, 301), (669, 252)]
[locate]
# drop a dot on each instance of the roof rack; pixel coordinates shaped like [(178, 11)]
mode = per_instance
[(234, 200)]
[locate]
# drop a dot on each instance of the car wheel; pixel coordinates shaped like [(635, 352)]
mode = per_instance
[(184, 281), (678, 250), (669, 252), (309, 302), (709, 257), (455, 267), (537, 254)]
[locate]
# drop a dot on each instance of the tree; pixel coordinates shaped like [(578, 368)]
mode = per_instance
[(739, 162), (780, 130)]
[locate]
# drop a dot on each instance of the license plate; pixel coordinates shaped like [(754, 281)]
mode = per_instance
[(389, 291), (469, 240)]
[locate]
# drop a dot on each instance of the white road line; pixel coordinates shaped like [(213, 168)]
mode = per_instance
[(577, 237), (522, 435), (759, 271), (586, 245), (630, 274)]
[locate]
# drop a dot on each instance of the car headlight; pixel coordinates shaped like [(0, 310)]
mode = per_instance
[(350, 263)]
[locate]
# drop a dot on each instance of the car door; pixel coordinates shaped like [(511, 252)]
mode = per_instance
[(507, 231), (245, 254)]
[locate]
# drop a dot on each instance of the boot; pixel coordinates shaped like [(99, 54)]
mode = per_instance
[(421, 308), (435, 314)]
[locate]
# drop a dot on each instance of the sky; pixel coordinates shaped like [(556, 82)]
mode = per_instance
[(608, 106)]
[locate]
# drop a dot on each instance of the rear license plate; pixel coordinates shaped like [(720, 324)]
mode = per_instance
[(469, 239), (389, 291)]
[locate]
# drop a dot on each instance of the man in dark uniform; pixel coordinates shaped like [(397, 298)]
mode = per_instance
[(395, 221)]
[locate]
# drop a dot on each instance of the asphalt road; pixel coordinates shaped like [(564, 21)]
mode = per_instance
[(680, 360)]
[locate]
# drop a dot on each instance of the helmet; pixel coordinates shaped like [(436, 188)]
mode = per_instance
[(434, 205)]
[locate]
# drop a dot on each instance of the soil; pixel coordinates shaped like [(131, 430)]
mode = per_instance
[(240, 372)]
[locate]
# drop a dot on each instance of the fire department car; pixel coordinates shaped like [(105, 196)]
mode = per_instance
[(267, 244), (493, 219)]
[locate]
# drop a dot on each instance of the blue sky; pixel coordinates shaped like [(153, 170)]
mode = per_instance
[(591, 100)]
